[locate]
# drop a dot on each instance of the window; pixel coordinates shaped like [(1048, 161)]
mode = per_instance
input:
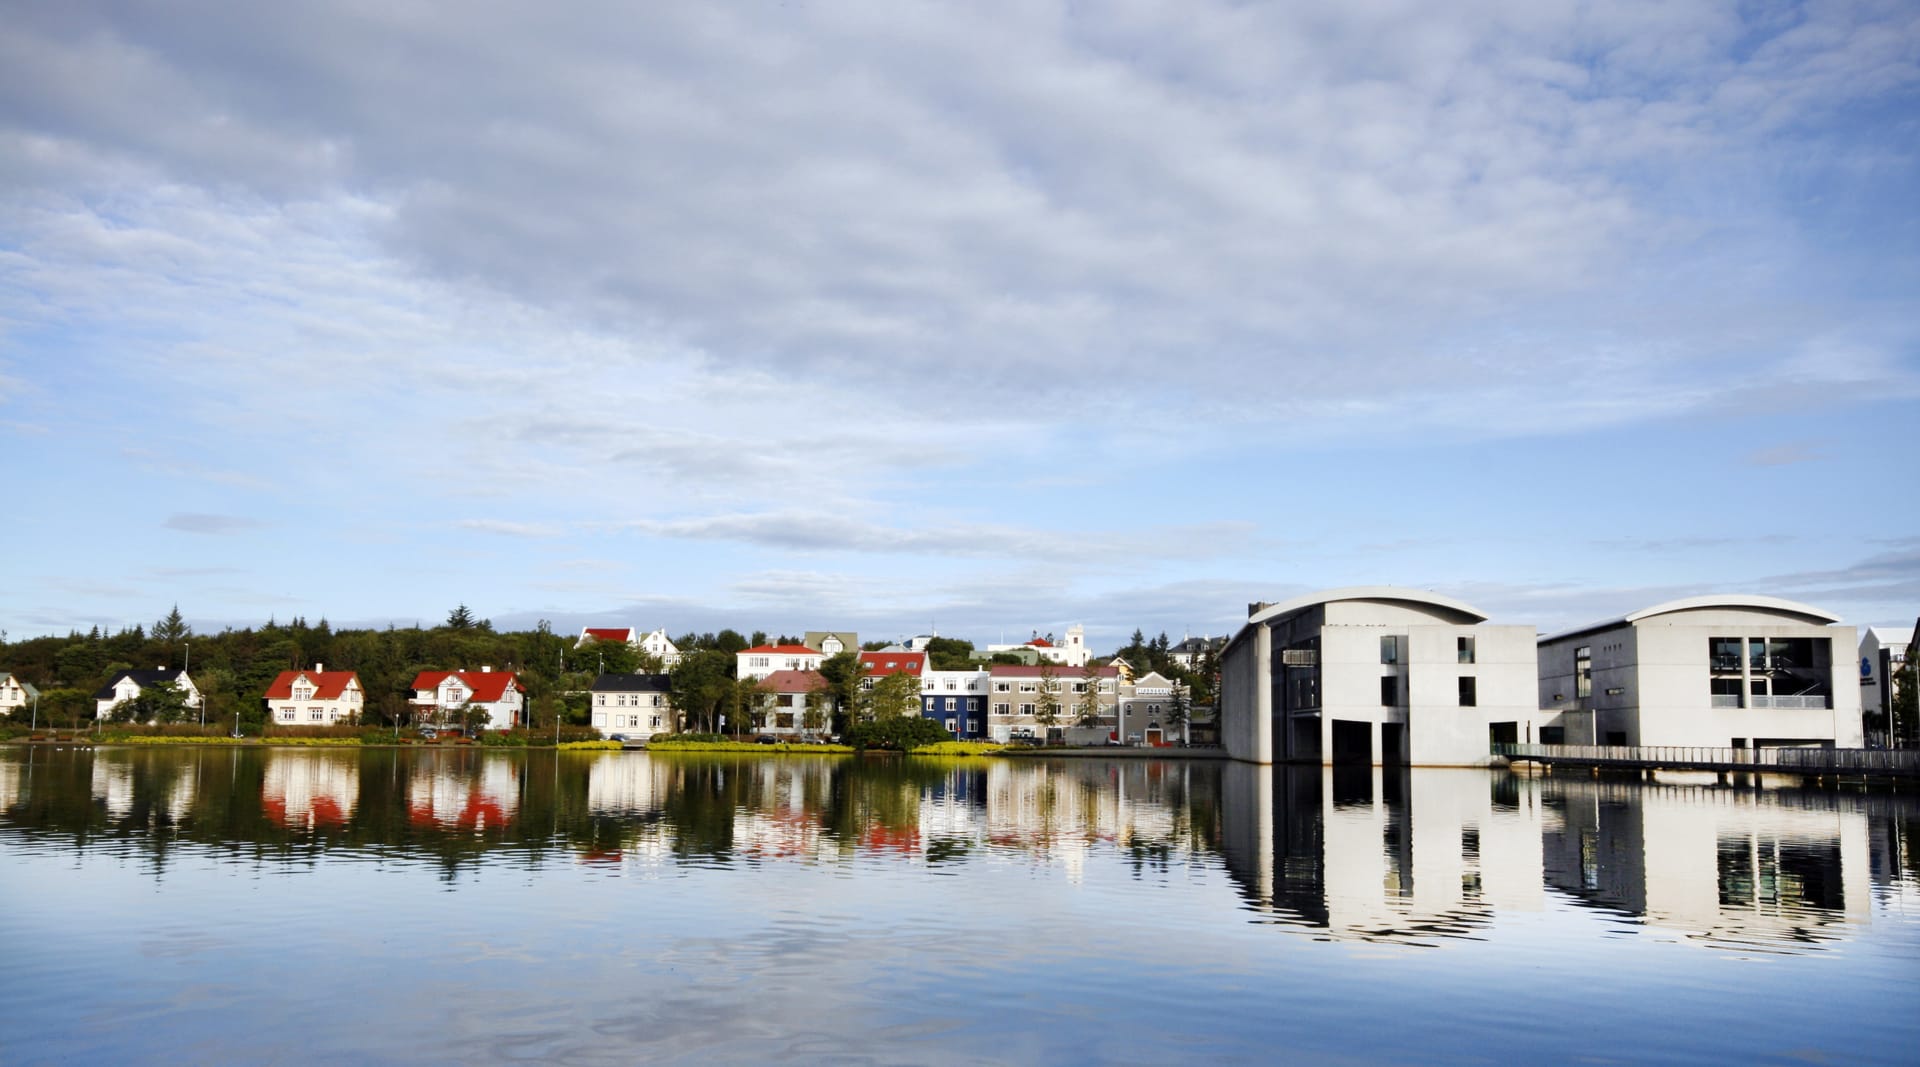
[(656, 722), (316, 715), (1389, 691), (953, 726), (952, 704), (1583, 671), (286, 714), (866, 683), (1469, 691), (600, 700), (1390, 649), (303, 693), (1463, 649), (1079, 687), (1003, 687), (1026, 709), (1001, 709), (1029, 687), (656, 700), (973, 703), (952, 685)]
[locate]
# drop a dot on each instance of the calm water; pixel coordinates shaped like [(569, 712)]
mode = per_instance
[(174, 905)]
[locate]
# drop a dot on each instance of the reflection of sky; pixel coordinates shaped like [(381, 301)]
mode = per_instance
[(1015, 954)]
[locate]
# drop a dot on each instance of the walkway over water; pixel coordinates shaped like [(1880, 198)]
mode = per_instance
[(1845, 762)]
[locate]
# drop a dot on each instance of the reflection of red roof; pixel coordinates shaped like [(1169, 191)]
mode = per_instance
[(885, 839), (327, 685), (321, 812), (781, 650), (487, 686), (881, 664), (793, 682)]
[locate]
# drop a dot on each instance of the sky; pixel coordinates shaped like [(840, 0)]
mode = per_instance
[(985, 319)]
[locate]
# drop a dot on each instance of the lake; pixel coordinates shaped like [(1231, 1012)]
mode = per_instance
[(461, 906)]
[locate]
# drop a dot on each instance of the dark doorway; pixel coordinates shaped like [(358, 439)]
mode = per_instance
[(1393, 742), (1503, 733), (1352, 742)]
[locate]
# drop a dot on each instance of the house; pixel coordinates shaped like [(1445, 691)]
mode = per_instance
[(318, 697), (1883, 651), (761, 660), (880, 663), (127, 684), (783, 702), (1375, 675), (1720, 671), (1189, 652), (15, 693), (831, 642), (1144, 708), (956, 700), (442, 696), (634, 706), (656, 644), (1072, 653), (1018, 692)]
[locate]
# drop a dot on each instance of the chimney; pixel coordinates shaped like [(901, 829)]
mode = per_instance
[(319, 668), (486, 670)]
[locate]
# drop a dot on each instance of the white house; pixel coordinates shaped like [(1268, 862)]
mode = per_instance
[(1071, 653), (761, 660), (1375, 674), (1883, 651), (956, 700), (444, 695), (632, 706), (127, 684), (656, 644), (318, 697), (1722, 671), (783, 699), (15, 693), (1144, 708)]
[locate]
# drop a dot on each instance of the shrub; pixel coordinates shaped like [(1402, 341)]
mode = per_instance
[(590, 746), (959, 748), (688, 739), (899, 734)]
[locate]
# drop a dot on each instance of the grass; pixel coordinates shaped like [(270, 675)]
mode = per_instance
[(590, 746), (959, 748), (660, 744)]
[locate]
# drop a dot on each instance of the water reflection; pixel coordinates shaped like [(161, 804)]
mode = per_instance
[(1416, 857)]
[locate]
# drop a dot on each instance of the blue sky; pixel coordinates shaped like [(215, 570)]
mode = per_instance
[(993, 318)]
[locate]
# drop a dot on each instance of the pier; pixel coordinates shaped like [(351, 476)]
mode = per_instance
[(1814, 762)]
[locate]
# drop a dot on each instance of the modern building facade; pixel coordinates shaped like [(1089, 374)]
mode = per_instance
[(1883, 651), (1375, 674), (1720, 671)]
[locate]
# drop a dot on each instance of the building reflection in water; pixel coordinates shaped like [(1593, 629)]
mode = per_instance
[(454, 791), (1412, 855), (310, 790)]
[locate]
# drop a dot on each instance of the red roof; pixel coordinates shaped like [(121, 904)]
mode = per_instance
[(881, 664), (608, 633), (327, 685), (1039, 642), (487, 686), (793, 682), (781, 650), (1059, 671)]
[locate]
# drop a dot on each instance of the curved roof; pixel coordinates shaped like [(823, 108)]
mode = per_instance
[(1736, 600), (1369, 592)]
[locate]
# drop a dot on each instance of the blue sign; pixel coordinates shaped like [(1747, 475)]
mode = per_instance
[(1866, 667)]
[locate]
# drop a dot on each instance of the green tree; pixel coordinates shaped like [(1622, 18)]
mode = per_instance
[(460, 618), (1906, 700), (819, 704), (160, 702), (891, 697), (1046, 699), (173, 629), (1088, 706), (474, 719), (702, 685), (843, 672), (1179, 710), (949, 654)]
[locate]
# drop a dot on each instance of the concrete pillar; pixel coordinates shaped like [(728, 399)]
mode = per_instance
[(1262, 694)]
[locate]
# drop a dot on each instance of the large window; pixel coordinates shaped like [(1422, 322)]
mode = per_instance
[(1463, 649), (1390, 649), (1583, 671), (1389, 691), (1469, 691)]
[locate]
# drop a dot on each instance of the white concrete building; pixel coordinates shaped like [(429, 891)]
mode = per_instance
[(1375, 674), (318, 697), (1722, 671), (1073, 652), (127, 684), (1883, 651)]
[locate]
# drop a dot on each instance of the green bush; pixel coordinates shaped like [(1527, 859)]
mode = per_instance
[(688, 739), (900, 734), (959, 748), (590, 746)]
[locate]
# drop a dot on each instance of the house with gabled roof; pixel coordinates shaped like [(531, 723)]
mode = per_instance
[(318, 697), (783, 699), (623, 634), (831, 642), (761, 660), (127, 685), (15, 693), (441, 696), (632, 706)]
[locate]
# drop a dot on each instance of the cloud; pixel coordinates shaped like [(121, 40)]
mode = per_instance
[(510, 529), (1786, 455), (198, 523), (817, 532)]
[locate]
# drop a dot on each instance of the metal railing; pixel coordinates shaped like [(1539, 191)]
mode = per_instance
[(1868, 761)]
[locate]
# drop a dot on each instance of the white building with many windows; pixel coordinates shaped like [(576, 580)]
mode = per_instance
[(1722, 671), (632, 706), (761, 660), (956, 700), (442, 696)]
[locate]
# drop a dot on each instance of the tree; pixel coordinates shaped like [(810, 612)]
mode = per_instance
[(1088, 706), (160, 702), (949, 654), (1046, 702), (460, 619), (173, 629), (474, 719), (893, 697), (900, 732), (1179, 710), (701, 685), (843, 672), (819, 704)]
